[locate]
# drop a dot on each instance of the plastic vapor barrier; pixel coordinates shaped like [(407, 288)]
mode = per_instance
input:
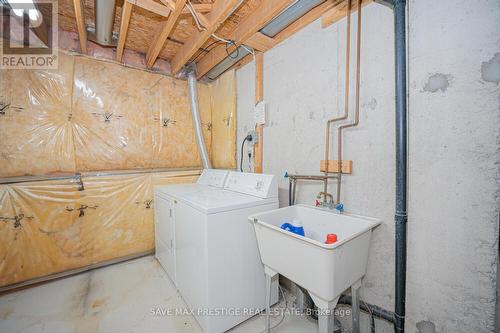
[(94, 115), (90, 115), (51, 226)]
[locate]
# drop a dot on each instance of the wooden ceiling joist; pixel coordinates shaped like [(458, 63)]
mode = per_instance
[(152, 6), (245, 30), (199, 7), (260, 42), (169, 6), (335, 14), (220, 11), (80, 24), (246, 18), (126, 13), (163, 33)]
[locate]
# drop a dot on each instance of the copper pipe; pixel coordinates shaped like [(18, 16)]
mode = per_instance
[(356, 113), (346, 108), (311, 177)]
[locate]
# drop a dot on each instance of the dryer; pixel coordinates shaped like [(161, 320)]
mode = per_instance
[(164, 199)]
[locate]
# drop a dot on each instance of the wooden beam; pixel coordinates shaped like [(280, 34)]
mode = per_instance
[(152, 6), (221, 10), (80, 24), (337, 13), (260, 42), (169, 3), (165, 30), (305, 20), (259, 96), (126, 13), (251, 25), (199, 7), (202, 8)]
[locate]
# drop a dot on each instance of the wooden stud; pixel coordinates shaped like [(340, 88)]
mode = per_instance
[(333, 166), (152, 6), (260, 42), (80, 23), (245, 30), (201, 8), (126, 13), (259, 96), (221, 10), (165, 30), (169, 3)]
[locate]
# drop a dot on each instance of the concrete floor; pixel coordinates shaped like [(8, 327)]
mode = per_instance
[(117, 298)]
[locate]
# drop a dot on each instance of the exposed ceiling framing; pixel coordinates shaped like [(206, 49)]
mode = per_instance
[(166, 29)]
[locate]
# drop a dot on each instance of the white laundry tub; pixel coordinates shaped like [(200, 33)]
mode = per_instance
[(324, 270)]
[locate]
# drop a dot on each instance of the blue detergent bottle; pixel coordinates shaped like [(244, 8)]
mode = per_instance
[(295, 227)]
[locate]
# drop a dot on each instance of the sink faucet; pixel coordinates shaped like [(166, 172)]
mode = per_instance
[(325, 200)]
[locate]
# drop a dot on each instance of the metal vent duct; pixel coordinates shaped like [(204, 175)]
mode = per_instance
[(227, 63), (104, 20), (288, 16)]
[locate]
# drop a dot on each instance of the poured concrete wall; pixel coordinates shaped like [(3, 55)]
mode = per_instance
[(453, 145)]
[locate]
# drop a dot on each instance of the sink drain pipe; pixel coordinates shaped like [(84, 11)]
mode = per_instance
[(195, 110), (401, 214)]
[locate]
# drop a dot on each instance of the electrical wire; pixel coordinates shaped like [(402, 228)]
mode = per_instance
[(249, 50), (242, 146), (199, 25), (282, 291), (191, 9), (207, 49)]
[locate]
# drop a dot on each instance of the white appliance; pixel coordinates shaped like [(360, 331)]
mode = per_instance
[(218, 268), (164, 198)]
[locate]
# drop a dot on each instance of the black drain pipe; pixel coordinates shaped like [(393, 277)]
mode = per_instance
[(401, 215)]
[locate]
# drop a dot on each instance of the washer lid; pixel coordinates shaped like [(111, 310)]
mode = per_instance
[(175, 189), (211, 200)]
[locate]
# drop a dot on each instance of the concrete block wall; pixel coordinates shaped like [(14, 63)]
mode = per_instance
[(454, 101)]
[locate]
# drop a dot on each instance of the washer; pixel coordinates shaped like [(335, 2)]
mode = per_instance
[(164, 198), (219, 271)]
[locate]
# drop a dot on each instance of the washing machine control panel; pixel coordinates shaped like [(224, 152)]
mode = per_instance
[(257, 184), (213, 177)]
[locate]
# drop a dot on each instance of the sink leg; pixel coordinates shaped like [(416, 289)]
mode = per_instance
[(355, 289), (269, 277), (326, 316), (268, 303)]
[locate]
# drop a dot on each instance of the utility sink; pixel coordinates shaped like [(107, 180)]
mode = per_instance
[(325, 270)]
